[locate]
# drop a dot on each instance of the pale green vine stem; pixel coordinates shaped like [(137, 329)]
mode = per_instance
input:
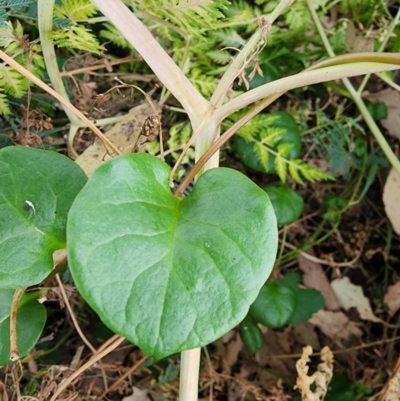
[(394, 161), (341, 66), (14, 351), (155, 56), (45, 26), (189, 376), (392, 84), (252, 47)]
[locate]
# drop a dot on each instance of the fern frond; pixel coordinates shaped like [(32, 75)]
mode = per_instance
[(204, 83), (3, 18), (310, 173), (294, 171), (61, 23), (75, 10), (281, 167), (12, 81), (219, 57), (18, 3), (262, 154), (112, 34), (270, 136), (256, 126), (179, 135), (229, 38), (4, 107), (76, 37), (297, 17), (191, 16), (284, 149)]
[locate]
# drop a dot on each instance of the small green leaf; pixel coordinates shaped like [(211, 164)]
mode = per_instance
[(288, 204), (308, 301), (249, 154), (274, 305), (251, 335), (37, 188), (30, 322), (169, 274)]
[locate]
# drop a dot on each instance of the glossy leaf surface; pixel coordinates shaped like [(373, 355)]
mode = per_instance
[(251, 335), (288, 204), (308, 301), (165, 273), (37, 188)]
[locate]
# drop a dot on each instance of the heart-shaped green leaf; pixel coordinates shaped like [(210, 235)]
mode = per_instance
[(274, 305), (30, 322), (288, 204), (170, 274), (37, 188), (308, 301)]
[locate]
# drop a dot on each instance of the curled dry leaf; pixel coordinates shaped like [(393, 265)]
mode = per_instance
[(350, 295), (335, 325), (321, 378), (392, 298), (391, 199)]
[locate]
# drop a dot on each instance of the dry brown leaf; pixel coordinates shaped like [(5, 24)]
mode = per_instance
[(391, 98), (305, 334), (232, 350), (392, 298), (123, 135), (391, 198), (335, 325), (138, 395), (356, 41), (350, 295), (278, 343), (314, 277)]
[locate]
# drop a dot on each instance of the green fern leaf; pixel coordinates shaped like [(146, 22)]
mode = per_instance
[(293, 167), (61, 23), (229, 38), (4, 107), (75, 10), (76, 37), (18, 3), (12, 81), (281, 167), (3, 18), (270, 136), (297, 17), (179, 135), (204, 83), (262, 154), (219, 57), (112, 34), (191, 16)]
